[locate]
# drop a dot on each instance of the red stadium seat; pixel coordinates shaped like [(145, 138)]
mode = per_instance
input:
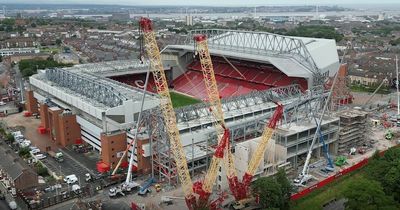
[(230, 82)]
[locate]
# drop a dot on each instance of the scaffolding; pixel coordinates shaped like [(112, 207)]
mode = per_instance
[(352, 130)]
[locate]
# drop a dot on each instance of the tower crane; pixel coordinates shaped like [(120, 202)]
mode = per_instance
[(238, 189), (192, 201)]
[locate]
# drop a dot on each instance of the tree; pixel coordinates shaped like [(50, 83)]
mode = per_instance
[(41, 170), (367, 194), (391, 182), (286, 187), (24, 152), (58, 41), (2, 131), (270, 192), (10, 138)]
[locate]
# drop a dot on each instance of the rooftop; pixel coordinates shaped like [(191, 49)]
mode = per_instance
[(12, 164), (295, 56)]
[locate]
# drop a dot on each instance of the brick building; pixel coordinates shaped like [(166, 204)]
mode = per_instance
[(17, 173)]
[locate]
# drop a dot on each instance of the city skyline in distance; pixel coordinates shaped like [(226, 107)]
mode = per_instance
[(207, 2)]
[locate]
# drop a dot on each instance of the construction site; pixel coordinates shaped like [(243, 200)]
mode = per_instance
[(265, 102)]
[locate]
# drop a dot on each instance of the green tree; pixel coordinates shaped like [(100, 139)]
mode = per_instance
[(367, 194), (391, 182), (10, 138), (270, 192), (58, 41), (41, 170), (286, 187), (2, 131), (24, 152)]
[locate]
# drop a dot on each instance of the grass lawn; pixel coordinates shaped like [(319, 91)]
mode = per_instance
[(179, 100), (54, 50), (368, 89), (319, 197)]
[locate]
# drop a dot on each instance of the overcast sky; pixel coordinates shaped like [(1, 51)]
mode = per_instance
[(207, 2)]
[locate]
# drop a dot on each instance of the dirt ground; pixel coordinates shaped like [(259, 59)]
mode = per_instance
[(31, 124)]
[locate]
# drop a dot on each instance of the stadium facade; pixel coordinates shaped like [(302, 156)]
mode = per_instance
[(253, 69)]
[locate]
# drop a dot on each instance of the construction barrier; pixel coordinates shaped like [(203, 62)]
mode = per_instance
[(41, 130), (333, 178), (27, 114)]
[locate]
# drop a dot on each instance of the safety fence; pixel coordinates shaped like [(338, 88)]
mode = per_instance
[(332, 178)]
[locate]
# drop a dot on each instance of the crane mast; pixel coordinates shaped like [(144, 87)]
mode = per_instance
[(166, 107), (214, 97), (239, 190), (205, 188)]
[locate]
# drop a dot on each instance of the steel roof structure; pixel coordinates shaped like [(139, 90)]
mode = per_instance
[(295, 56)]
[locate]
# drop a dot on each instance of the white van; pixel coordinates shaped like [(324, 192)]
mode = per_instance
[(71, 179)]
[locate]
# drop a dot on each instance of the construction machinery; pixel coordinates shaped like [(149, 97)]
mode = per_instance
[(384, 81), (340, 161), (144, 189), (58, 156), (329, 166), (193, 201), (240, 190), (304, 176), (389, 134), (204, 189)]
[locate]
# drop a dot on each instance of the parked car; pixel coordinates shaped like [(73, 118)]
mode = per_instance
[(40, 156), (25, 143), (34, 151)]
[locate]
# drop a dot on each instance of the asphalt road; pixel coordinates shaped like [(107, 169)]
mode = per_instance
[(4, 205), (19, 82), (67, 167)]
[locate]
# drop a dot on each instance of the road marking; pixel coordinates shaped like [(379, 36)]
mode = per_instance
[(77, 162)]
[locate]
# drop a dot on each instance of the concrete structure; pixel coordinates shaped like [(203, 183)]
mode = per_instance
[(107, 110), (352, 130), (189, 20), (296, 139), (13, 51), (81, 103)]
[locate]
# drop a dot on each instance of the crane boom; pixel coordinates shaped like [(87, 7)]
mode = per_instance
[(204, 189), (168, 112), (214, 100), (240, 189)]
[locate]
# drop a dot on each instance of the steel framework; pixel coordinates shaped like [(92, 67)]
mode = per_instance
[(100, 90), (193, 115), (298, 107), (260, 43)]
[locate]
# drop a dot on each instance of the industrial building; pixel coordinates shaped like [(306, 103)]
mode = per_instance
[(253, 69)]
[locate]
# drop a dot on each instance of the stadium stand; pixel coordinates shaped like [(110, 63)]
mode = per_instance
[(137, 80), (230, 82)]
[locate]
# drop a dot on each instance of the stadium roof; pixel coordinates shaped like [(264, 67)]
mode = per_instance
[(295, 56)]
